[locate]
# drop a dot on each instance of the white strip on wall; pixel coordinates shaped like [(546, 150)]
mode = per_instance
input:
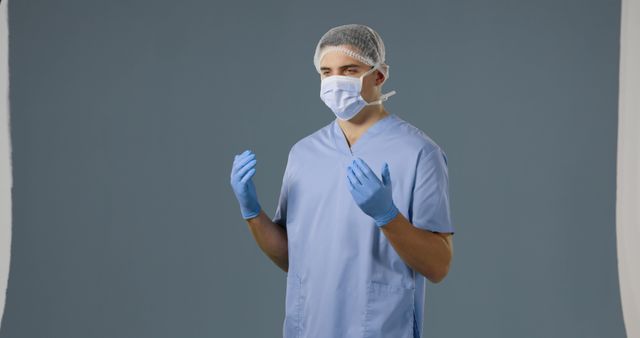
[(628, 167), (5, 154)]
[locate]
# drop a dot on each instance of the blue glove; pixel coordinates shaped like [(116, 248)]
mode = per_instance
[(372, 196), (242, 184)]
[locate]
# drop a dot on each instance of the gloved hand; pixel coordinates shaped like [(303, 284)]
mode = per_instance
[(372, 196), (242, 184)]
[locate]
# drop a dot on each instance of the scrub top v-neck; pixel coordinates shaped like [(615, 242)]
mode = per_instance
[(344, 277)]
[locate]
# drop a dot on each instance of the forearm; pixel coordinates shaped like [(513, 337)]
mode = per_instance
[(426, 252), (271, 238)]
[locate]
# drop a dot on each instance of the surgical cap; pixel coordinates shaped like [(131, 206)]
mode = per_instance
[(366, 45)]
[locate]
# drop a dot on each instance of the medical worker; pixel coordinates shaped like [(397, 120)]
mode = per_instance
[(363, 216)]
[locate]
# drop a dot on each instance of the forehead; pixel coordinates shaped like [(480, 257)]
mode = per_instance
[(337, 59)]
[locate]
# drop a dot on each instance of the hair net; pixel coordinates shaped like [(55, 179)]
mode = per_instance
[(366, 45)]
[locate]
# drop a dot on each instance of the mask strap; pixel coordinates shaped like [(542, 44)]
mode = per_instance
[(375, 66), (382, 98)]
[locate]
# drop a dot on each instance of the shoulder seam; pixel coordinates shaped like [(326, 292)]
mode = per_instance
[(431, 152)]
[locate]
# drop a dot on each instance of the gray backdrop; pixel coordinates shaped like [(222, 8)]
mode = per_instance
[(126, 116)]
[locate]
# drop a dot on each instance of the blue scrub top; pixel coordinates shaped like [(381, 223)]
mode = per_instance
[(345, 279)]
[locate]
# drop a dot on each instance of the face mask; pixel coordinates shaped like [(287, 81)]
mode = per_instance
[(342, 94)]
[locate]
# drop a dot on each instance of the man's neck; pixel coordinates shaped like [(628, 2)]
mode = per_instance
[(358, 125)]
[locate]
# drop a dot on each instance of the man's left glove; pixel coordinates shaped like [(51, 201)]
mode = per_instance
[(373, 196)]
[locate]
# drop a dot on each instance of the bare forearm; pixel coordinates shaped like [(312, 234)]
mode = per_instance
[(271, 238), (426, 252)]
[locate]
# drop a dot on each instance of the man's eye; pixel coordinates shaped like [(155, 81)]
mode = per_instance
[(351, 70)]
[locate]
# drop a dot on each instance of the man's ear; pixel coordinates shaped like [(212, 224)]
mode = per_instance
[(379, 77)]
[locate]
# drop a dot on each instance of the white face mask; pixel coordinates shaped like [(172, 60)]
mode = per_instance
[(342, 94)]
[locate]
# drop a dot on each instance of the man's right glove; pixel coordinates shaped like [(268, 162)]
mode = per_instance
[(241, 173)]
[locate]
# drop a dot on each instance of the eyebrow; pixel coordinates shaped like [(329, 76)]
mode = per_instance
[(341, 67)]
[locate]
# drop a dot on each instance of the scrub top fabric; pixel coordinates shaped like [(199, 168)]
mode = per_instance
[(345, 279)]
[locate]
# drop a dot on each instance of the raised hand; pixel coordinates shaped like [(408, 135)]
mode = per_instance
[(241, 173), (371, 194)]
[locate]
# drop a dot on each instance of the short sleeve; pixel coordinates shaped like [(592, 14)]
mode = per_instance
[(280, 216), (430, 203)]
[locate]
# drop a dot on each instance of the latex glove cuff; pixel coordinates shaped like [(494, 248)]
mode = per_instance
[(252, 212), (387, 216)]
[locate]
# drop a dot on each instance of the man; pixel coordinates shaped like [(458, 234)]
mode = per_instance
[(356, 248)]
